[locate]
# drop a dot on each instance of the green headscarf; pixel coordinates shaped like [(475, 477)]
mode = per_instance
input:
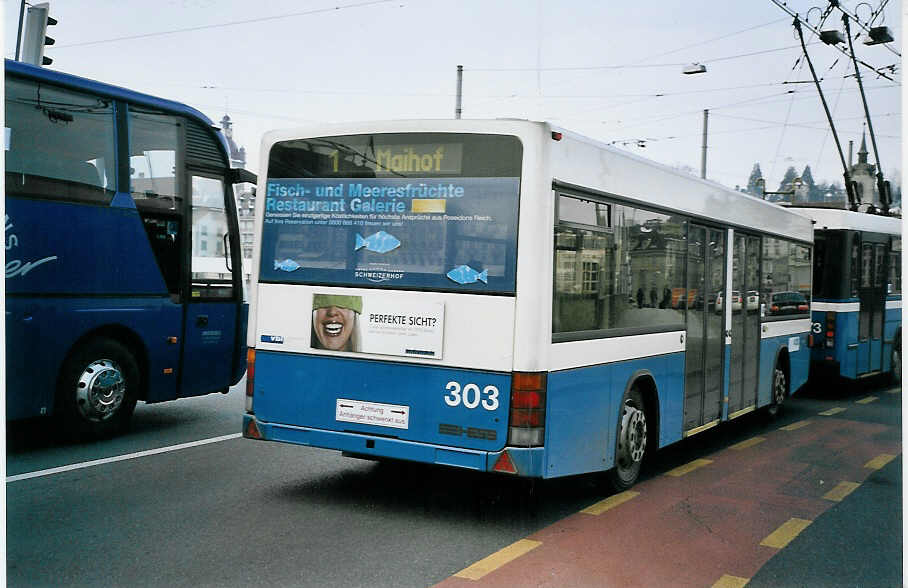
[(354, 303)]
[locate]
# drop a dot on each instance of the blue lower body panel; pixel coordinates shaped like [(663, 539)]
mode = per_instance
[(582, 411), (527, 461), (771, 350)]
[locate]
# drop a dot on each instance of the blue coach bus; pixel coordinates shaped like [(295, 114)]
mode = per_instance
[(507, 296), (857, 295), (123, 278)]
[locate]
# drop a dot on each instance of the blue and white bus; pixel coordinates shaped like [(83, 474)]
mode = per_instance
[(507, 296), (121, 242), (857, 294)]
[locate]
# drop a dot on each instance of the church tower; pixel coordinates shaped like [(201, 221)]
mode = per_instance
[(864, 176)]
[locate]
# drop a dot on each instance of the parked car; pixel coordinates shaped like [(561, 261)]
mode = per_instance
[(735, 301), (753, 300), (788, 303)]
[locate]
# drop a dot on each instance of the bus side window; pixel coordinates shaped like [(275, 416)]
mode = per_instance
[(156, 190), (211, 276), (61, 144)]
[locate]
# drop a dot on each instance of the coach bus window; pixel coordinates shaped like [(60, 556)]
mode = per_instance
[(154, 185), (153, 141), (786, 288), (895, 266), (60, 144), (210, 274), (617, 267)]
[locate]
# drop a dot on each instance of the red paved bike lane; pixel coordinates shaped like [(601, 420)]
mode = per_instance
[(701, 524)]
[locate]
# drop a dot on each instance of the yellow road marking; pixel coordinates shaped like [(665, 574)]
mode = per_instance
[(687, 468), (879, 461), (895, 391), (746, 444), (833, 411), (842, 490), (867, 400), (610, 502), (795, 426), (498, 559), (727, 581), (784, 534)]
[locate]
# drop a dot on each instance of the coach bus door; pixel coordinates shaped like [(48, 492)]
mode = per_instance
[(211, 307), (872, 296), (745, 325), (705, 350)]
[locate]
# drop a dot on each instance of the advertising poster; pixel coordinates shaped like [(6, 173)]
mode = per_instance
[(456, 234), (377, 324)]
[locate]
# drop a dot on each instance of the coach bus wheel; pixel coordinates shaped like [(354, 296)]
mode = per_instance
[(98, 388), (631, 443), (779, 391)]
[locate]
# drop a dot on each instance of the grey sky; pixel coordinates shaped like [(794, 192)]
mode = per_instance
[(287, 63)]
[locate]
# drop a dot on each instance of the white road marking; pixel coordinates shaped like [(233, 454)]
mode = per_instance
[(95, 462)]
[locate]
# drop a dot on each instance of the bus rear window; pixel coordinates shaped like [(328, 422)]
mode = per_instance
[(431, 211)]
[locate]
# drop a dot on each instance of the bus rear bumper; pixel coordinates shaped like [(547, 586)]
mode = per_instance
[(528, 461)]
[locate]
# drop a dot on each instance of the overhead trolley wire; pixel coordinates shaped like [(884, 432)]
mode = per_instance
[(226, 24), (626, 65)]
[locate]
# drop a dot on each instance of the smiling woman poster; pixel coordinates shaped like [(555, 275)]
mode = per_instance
[(335, 322)]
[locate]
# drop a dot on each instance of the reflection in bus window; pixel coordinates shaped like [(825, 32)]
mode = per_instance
[(617, 267), (786, 277), (61, 144)]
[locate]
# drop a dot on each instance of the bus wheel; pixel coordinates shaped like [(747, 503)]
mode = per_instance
[(631, 443), (98, 388), (779, 391), (895, 373)]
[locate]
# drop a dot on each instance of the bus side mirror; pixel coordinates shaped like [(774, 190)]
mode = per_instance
[(237, 175)]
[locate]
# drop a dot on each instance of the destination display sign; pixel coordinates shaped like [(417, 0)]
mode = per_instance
[(448, 233)]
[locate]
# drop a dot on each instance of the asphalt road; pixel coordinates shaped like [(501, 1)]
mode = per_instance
[(237, 512)]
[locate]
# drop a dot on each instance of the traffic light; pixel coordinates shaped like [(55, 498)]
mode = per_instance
[(36, 22)]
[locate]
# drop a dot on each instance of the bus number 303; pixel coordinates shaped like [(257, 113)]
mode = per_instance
[(471, 396)]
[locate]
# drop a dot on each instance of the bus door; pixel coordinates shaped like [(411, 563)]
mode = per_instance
[(745, 325), (705, 349), (872, 296), (209, 328)]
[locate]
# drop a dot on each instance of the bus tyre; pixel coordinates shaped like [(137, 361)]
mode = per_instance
[(98, 388), (630, 448), (895, 373), (779, 391)]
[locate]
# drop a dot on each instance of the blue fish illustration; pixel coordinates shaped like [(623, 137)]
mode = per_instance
[(464, 274), (380, 242), (288, 265)]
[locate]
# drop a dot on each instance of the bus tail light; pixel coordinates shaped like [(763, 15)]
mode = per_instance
[(527, 416), (830, 329), (250, 378)]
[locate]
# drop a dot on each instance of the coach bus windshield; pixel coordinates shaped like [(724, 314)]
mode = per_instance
[(428, 211)]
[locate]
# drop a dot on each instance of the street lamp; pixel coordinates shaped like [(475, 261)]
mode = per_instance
[(832, 37), (796, 185), (694, 68), (878, 35)]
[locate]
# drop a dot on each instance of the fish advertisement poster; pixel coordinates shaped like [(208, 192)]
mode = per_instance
[(377, 323), (450, 234)]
